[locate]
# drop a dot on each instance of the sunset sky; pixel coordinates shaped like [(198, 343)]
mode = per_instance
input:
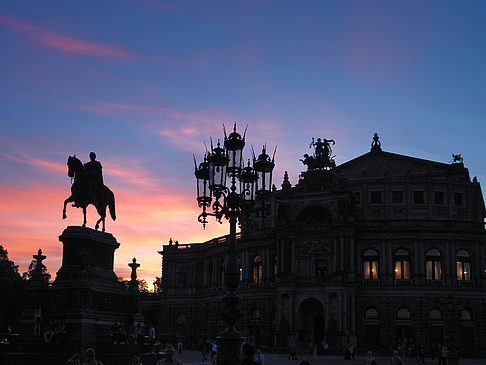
[(143, 83)]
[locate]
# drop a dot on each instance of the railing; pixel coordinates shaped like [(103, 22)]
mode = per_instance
[(371, 282), (465, 283), (435, 282), (403, 282)]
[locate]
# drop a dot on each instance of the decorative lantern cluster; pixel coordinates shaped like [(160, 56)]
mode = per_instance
[(254, 182), (227, 161)]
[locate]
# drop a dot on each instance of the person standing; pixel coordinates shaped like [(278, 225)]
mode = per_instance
[(214, 350), (135, 359), (180, 347), (421, 354), (395, 360), (169, 357), (151, 333), (369, 359), (260, 358), (91, 358), (247, 353), (351, 351), (443, 352), (37, 320)]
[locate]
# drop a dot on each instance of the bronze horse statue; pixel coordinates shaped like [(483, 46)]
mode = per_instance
[(82, 196)]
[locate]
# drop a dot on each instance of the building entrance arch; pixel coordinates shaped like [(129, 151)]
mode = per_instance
[(310, 322)]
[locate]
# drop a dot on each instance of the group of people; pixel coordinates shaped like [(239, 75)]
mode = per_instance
[(51, 331), (82, 357), (441, 352), (88, 357), (132, 334), (54, 332), (209, 350), (250, 355), (349, 352)]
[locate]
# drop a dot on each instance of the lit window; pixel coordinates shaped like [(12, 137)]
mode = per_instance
[(372, 313), (433, 265), (370, 265), (435, 314), (403, 313), (402, 264), (463, 265), (466, 315), (257, 269)]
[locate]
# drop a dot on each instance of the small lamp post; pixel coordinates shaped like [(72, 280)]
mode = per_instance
[(230, 202)]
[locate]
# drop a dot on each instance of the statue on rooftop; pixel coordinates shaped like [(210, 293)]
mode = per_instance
[(88, 188), (376, 144), (457, 158), (322, 158)]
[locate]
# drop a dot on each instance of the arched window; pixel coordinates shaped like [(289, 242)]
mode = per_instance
[(372, 313), (463, 265), (402, 264), (221, 269), (435, 314), (370, 265), (466, 315), (404, 313), (257, 269), (433, 265)]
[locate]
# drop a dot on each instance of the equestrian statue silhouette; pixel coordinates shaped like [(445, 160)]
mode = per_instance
[(88, 188)]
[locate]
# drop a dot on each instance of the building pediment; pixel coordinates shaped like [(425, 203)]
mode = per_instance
[(381, 164)]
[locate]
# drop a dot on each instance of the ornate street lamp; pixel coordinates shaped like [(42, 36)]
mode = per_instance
[(230, 202), (203, 193), (264, 167)]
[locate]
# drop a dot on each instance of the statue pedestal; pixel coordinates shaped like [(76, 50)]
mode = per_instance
[(86, 295), (87, 258)]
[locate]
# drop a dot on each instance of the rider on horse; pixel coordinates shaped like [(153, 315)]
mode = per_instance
[(88, 188), (95, 178)]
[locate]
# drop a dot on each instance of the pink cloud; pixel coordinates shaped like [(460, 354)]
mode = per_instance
[(63, 42), (36, 162)]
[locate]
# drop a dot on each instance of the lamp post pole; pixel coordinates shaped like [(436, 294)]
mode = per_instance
[(230, 203)]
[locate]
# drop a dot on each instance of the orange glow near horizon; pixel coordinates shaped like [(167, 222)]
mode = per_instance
[(147, 216)]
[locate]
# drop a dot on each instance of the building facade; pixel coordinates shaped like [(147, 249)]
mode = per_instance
[(380, 250)]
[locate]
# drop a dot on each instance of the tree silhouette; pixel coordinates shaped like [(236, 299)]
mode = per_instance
[(158, 285), (37, 271), (13, 291), (142, 284)]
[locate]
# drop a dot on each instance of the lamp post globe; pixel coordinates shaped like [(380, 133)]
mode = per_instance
[(263, 166)]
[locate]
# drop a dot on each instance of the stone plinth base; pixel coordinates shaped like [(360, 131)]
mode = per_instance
[(87, 259), (86, 295)]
